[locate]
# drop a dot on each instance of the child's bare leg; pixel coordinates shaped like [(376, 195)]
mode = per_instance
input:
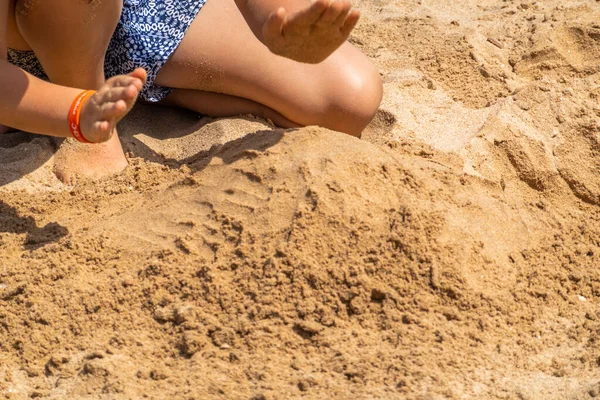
[(70, 39), (300, 30), (223, 105), (221, 54)]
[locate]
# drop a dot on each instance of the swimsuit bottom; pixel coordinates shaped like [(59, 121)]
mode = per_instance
[(147, 35)]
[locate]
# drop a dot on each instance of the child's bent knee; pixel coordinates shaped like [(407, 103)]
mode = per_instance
[(356, 102)]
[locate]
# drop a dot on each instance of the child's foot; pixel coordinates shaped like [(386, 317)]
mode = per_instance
[(99, 117), (312, 34), (77, 160)]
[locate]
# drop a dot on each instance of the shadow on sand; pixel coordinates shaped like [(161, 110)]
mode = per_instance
[(23, 153)]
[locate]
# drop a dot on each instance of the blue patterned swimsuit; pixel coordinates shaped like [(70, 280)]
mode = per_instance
[(146, 36)]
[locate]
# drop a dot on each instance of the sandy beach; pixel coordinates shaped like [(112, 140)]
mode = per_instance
[(451, 253)]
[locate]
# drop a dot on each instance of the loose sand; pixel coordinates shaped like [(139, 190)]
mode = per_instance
[(451, 254)]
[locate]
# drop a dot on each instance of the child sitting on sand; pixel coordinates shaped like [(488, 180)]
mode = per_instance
[(285, 60)]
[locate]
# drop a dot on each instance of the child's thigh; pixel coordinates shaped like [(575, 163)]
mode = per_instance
[(69, 37), (15, 39)]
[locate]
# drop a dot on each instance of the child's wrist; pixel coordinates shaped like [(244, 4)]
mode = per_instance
[(74, 117)]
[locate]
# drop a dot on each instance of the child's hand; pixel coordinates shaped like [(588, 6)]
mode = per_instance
[(114, 99), (312, 34)]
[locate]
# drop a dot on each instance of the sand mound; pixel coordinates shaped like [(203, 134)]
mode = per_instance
[(451, 253)]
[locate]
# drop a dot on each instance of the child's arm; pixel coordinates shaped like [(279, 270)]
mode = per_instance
[(303, 31), (3, 28), (26, 102), (33, 105)]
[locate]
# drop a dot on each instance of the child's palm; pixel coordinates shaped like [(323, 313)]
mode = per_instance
[(312, 34)]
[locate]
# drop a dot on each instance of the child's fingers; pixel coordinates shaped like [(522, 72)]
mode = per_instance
[(112, 110), (102, 127), (312, 14), (99, 95), (123, 81), (119, 81), (332, 12), (350, 23), (115, 94), (139, 73), (339, 22), (274, 25), (100, 132)]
